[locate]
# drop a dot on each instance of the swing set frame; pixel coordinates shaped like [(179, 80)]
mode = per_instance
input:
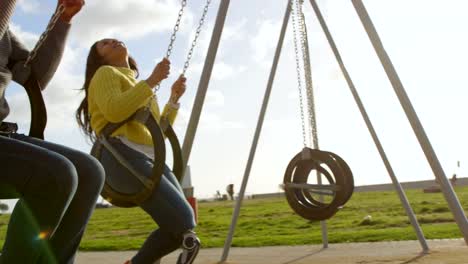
[(448, 192)]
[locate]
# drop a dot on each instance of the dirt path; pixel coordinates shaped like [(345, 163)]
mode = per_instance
[(442, 252)]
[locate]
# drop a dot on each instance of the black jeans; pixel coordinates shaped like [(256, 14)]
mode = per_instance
[(57, 189)]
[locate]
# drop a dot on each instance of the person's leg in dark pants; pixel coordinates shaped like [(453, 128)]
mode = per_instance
[(45, 182), (91, 176)]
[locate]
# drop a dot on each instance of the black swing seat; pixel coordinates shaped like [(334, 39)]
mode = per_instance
[(299, 193), (38, 109), (157, 131)]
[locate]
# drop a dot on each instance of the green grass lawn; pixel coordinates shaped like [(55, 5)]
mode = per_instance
[(266, 222)]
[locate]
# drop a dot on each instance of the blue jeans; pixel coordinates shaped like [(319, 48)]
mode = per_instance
[(57, 189), (167, 205)]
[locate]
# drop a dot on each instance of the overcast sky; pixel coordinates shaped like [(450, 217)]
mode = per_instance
[(426, 40)]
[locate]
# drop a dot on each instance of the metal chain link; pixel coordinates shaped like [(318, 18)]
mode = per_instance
[(197, 34), (308, 78), (298, 72), (43, 37), (194, 41), (176, 29), (171, 43)]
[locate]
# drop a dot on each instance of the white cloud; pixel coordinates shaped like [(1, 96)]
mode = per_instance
[(126, 19), (29, 6), (293, 95), (265, 40), (236, 32), (27, 38), (62, 96), (215, 98), (221, 70), (211, 122), (19, 110)]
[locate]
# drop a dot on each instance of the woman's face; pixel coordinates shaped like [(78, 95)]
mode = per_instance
[(112, 51)]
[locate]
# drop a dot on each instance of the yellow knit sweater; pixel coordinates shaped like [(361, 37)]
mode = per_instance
[(114, 95)]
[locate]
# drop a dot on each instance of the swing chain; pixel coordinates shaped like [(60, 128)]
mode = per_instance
[(299, 76), (176, 29), (43, 37), (194, 42), (308, 78), (197, 34), (171, 42)]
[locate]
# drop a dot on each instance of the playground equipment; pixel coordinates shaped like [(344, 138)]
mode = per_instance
[(449, 194), (299, 193)]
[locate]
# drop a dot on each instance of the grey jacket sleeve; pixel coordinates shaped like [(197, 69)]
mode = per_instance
[(48, 57)]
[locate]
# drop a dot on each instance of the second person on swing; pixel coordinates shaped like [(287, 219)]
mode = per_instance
[(112, 95)]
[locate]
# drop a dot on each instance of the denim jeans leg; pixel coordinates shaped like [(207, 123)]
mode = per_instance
[(174, 216), (167, 205), (67, 238), (45, 182)]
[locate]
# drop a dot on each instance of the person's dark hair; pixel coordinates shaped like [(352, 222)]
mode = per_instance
[(93, 63)]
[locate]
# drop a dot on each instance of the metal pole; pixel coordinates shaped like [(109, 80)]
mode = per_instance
[(204, 82), (370, 127), (228, 242), (323, 224), (449, 194)]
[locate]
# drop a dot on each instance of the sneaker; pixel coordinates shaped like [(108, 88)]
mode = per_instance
[(190, 247)]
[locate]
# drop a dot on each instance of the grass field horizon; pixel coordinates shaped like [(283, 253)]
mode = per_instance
[(270, 221)]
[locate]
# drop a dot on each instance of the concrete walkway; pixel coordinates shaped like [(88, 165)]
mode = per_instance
[(453, 251)]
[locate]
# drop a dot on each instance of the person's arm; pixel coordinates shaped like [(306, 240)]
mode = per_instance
[(171, 109), (115, 105), (48, 57)]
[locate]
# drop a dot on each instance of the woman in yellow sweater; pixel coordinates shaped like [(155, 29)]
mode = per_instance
[(113, 94)]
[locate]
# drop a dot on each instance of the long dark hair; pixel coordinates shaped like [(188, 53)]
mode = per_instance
[(93, 63)]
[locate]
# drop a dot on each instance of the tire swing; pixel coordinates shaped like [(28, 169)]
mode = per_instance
[(158, 133), (313, 202)]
